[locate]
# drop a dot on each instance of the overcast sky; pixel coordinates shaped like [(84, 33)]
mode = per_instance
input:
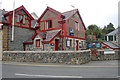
[(99, 12)]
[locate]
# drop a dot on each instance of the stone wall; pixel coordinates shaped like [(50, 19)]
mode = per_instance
[(101, 56), (4, 37), (20, 35), (62, 57)]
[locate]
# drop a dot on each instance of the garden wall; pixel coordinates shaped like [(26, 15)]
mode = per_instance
[(63, 57)]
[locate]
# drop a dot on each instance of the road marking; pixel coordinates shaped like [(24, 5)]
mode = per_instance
[(118, 76), (60, 65), (47, 76)]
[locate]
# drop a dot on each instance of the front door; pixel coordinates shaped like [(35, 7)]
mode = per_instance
[(56, 44), (76, 44)]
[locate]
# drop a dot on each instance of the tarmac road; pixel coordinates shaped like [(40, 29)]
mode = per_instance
[(94, 69)]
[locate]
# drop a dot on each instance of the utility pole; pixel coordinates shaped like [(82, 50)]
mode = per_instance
[(13, 21)]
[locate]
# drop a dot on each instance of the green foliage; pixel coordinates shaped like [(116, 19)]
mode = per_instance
[(99, 32)]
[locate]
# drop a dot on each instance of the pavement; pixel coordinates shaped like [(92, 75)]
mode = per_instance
[(93, 69)]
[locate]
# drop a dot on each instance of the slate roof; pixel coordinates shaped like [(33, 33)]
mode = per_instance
[(113, 32), (2, 18), (47, 36), (68, 14), (34, 23), (34, 15), (42, 34), (54, 10), (50, 35), (29, 39), (110, 44)]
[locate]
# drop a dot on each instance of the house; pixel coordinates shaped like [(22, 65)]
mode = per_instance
[(58, 31), (23, 29), (114, 35), (115, 43)]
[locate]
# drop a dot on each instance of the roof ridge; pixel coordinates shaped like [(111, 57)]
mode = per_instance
[(10, 12), (69, 11), (53, 9)]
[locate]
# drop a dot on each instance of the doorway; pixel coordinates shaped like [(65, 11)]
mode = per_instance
[(76, 45), (56, 44)]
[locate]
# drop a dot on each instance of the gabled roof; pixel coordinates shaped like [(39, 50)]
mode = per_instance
[(50, 36), (17, 9), (110, 45), (48, 8), (68, 14), (42, 35), (113, 32)]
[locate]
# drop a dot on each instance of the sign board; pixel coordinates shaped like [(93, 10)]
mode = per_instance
[(89, 45), (52, 43), (71, 32), (94, 45), (109, 52), (97, 45), (80, 45), (67, 42)]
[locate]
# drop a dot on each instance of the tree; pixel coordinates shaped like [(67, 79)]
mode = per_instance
[(95, 30), (104, 31), (110, 28), (107, 29)]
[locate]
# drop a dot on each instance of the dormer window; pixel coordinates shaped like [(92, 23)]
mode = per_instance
[(48, 24), (21, 18)]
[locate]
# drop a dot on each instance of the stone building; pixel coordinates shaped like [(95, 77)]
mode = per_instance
[(23, 29), (58, 31), (52, 31)]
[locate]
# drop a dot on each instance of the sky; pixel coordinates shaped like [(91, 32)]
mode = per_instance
[(99, 12)]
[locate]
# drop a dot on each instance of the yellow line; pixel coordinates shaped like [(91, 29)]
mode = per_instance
[(58, 65)]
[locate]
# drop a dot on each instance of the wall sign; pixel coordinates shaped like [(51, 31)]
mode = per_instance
[(97, 45), (93, 45), (68, 43), (89, 45), (71, 32), (52, 43)]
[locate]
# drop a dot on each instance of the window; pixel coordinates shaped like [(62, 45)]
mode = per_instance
[(81, 43), (38, 43), (76, 25), (68, 43), (21, 18), (71, 42), (48, 24)]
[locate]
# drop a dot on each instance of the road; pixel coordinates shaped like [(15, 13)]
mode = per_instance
[(94, 69)]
